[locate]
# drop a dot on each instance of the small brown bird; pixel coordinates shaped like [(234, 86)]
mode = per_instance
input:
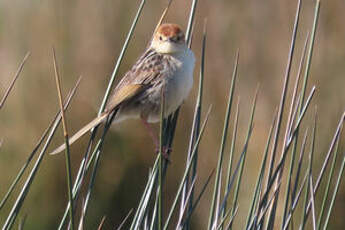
[(167, 64)]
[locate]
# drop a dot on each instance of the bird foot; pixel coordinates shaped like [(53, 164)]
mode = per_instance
[(165, 152)]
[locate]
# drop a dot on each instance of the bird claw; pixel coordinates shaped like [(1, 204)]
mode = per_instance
[(165, 152)]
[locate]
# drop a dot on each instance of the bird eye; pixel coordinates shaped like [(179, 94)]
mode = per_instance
[(160, 38)]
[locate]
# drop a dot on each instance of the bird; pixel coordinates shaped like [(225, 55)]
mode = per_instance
[(165, 68)]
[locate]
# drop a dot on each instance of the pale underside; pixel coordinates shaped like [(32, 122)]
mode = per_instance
[(138, 94)]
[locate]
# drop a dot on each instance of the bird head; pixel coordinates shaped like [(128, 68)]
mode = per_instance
[(168, 39)]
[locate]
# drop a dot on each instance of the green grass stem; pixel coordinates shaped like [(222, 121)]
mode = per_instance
[(272, 214), (261, 175), (223, 142), (250, 127), (187, 169), (340, 176), (27, 185), (330, 176), (67, 150), (288, 130), (10, 87), (195, 127)]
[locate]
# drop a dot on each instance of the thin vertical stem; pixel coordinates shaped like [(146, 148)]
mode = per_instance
[(280, 115), (223, 141), (2, 102), (67, 151), (340, 176)]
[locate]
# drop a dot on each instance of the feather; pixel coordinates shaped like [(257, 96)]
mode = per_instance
[(123, 94), (81, 132)]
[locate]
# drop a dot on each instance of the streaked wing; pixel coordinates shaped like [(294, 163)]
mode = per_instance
[(141, 76), (123, 94)]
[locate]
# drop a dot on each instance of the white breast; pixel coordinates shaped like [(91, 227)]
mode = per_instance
[(181, 82)]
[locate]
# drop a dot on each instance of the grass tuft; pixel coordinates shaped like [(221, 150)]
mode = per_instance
[(290, 135)]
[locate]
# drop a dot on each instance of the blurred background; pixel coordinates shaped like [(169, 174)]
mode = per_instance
[(88, 36)]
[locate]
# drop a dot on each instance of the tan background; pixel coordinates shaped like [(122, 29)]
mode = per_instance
[(88, 36)]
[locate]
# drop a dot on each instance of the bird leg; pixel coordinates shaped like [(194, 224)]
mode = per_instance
[(165, 150)]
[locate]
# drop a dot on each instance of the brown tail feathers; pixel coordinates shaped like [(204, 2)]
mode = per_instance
[(81, 132)]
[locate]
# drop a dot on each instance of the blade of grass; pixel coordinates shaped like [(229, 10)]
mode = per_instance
[(163, 16), (250, 127), (257, 202), (10, 87), (125, 219), (81, 220), (295, 202), (232, 150), (187, 169), (154, 215), (294, 132), (295, 99), (280, 115), (265, 209), (27, 185), (299, 166), (324, 165), (191, 22), (67, 151), (222, 221), (311, 190), (288, 130), (217, 214), (311, 48), (340, 176), (160, 163), (294, 118), (146, 222), (178, 225), (309, 58), (120, 58), (82, 168), (287, 147), (78, 182), (27, 162), (156, 222), (300, 118), (145, 198), (232, 219), (310, 166), (198, 199), (114, 74), (196, 125), (293, 154), (223, 142), (96, 162), (239, 163), (285, 87), (22, 222), (171, 121), (101, 224), (98, 151), (261, 174), (330, 176)]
